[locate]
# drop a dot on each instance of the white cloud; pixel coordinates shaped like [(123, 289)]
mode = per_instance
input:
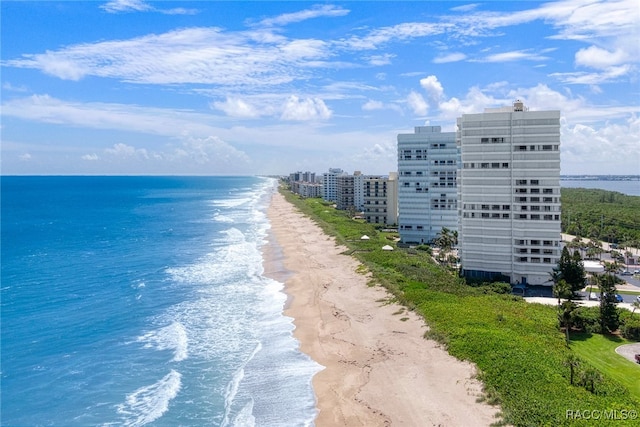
[(11, 88), (210, 150), (371, 105), (153, 121), (516, 55), (117, 6), (596, 57), (194, 55), (466, 7), (120, 6), (236, 107), (612, 148), (305, 109), (611, 74), (317, 11), (25, 157), (90, 157), (417, 104), (433, 87), (124, 150), (378, 60), (450, 57)]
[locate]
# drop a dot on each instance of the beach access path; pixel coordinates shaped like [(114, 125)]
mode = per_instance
[(379, 370)]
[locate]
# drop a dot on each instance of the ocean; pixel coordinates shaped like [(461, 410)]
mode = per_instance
[(629, 187), (133, 301)]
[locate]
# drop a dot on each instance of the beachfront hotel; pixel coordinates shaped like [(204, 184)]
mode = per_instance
[(381, 199), (427, 193), (509, 194)]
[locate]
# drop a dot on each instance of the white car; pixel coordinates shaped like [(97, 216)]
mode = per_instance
[(593, 296)]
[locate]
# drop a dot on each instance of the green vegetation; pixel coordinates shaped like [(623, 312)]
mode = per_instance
[(606, 215), (519, 351), (599, 351)]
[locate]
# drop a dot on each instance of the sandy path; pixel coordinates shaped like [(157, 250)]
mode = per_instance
[(379, 370)]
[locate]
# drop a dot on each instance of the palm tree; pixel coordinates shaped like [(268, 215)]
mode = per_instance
[(611, 267), (573, 363), (589, 378), (565, 308), (446, 241)]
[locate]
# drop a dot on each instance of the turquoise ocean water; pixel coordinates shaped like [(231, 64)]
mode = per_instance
[(131, 301)]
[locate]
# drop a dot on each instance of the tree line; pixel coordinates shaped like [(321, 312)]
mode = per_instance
[(601, 215)]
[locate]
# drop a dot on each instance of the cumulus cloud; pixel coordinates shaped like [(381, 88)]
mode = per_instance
[(596, 57), (417, 103), (305, 109), (25, 157), (90, 157), (602, 147), (432, 86), (237, 107)]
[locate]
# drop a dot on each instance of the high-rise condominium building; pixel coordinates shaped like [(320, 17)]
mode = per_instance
[(427, 194), (509, 194), (330, 184)]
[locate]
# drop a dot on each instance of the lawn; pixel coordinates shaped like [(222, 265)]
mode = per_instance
[(599, 351)]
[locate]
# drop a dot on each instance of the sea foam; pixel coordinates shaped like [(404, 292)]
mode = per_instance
[(147, 404)]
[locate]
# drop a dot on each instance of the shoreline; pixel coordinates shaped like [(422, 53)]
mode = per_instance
[(378, 368)]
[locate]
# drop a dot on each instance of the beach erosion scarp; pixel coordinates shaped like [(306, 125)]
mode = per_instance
[(379, 370)]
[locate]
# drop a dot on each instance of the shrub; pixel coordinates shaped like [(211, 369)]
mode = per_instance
[(587, 319), (425, 248), (631, 329)]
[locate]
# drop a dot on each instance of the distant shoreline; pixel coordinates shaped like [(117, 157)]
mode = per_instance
[(599, 177)]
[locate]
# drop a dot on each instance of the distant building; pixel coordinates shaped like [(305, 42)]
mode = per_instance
[(330, 184), (509, 194), (358, 190), (345, 192), (427, 193), (381, 199), (304, 184), (310, 189)]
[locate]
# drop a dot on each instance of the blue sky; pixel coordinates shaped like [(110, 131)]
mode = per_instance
[(236, 87)]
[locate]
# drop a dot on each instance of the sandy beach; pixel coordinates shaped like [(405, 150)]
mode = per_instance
[(378, 368)]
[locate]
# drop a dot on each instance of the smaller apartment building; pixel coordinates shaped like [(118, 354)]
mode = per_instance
[(381, 199)]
